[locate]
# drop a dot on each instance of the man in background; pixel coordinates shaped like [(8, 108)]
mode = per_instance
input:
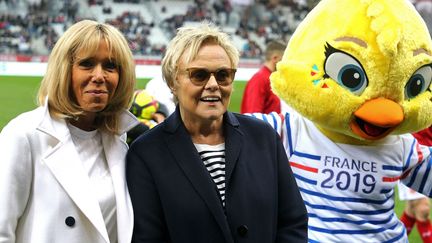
[(258, 96)]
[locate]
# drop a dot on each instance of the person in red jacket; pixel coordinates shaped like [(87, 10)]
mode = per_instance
[(417, 207), (258, 96)]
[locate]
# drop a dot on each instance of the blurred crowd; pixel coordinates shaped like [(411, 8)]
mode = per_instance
[(35, 28)]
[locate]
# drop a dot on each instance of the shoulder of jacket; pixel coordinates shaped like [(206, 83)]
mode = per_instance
[(26, 121)]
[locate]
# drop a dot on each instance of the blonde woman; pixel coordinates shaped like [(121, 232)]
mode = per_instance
[(62, 164), (206, 174)]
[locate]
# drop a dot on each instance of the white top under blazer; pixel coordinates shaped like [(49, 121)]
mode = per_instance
[(44, 192)]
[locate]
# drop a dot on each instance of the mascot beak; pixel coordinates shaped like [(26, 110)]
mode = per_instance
[(376, 118)]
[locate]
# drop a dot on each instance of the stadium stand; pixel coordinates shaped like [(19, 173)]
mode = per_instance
[(31, 27)]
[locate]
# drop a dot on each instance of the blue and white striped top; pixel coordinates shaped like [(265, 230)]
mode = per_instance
[(213, 157), (348, 189)]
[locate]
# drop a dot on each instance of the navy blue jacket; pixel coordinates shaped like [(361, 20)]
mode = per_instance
[(175, 199)]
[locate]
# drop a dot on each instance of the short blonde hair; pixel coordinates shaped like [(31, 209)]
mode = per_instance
[(194, 37), (85, 36), (274, 47)]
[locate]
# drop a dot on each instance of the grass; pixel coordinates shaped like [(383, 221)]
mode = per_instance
[(18, 94)]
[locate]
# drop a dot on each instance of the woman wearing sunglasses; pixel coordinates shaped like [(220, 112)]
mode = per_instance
[(206, 174)]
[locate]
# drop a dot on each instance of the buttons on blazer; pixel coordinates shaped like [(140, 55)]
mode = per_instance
[(242, 230), (70, 221)]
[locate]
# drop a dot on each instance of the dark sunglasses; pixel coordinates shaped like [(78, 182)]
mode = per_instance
[(200, 76)]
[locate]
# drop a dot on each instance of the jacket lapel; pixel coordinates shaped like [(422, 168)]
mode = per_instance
[(233, 144), (115, 148), (115, 151), (64, 163), (180, 145)]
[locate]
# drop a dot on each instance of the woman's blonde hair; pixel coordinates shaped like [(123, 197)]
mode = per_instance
[(85, 36), (193, 37)]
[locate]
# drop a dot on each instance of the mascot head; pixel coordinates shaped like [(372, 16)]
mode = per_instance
[(359, 69)]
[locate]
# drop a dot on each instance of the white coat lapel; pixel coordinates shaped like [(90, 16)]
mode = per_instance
[(115, 148), (115, 151), (64, 163), (66, 166)]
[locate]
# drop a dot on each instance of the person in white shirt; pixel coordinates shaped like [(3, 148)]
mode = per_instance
[(159, 89), (62, 164)]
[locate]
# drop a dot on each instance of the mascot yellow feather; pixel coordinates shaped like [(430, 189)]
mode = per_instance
[(357, 74), (365, 62)]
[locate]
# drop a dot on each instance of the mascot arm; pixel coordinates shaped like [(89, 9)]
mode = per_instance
[(418, 167), (292, 214), (286, 124)]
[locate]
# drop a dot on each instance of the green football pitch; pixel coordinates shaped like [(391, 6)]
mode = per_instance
[(18, 94)]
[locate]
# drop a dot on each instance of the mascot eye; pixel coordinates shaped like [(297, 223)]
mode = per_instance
[(346, 71), (419, 82)]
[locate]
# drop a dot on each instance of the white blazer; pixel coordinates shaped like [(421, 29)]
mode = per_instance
[(44, 195)]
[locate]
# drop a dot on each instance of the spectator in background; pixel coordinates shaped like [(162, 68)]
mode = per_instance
[(148, 110), (251, 49), (223, 8), (206, 174), (62, 164), (258, 96), (159, 89)]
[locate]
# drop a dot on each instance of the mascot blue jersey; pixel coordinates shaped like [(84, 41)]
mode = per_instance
[(348, 189)]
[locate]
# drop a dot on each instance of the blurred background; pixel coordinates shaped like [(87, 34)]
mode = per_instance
[(30, 28)]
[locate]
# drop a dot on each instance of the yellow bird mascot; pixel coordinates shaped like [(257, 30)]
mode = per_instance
[(357, 75)]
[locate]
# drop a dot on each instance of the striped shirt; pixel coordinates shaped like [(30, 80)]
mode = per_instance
[(213, 157), (348, 189)]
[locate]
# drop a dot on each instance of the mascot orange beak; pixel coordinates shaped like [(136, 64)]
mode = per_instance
[(376, 118)]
